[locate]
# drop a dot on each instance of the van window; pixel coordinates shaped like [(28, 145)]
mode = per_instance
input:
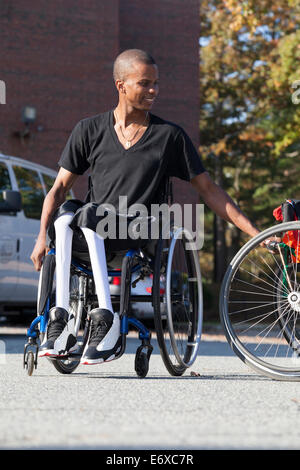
[(4, 180), (31, 190), (49, 182)]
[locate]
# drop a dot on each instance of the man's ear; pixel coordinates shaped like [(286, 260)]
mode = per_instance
[(120, 86)]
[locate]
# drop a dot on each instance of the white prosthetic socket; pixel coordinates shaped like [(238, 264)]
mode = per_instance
[(66, 340), (98, 261), (63, 250)]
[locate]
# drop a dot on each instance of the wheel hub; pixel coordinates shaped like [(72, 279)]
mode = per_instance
[(294, 300)]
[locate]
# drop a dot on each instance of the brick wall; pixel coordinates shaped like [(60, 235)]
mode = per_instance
[(169, 31), (57, 56)]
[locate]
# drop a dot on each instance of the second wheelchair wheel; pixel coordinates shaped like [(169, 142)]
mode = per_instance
[(260, 302), (177, 301)]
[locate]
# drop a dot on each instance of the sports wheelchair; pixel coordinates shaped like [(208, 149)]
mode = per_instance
[(176, 297)]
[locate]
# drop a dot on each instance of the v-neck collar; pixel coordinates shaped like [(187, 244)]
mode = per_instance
[(116, 138)]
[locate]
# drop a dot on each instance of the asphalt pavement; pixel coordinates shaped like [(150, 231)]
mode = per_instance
[(227, 406)]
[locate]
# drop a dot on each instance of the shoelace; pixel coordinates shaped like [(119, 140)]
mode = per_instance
[(55, 328)]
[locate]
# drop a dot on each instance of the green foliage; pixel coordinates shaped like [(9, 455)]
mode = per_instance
[(249, 125)]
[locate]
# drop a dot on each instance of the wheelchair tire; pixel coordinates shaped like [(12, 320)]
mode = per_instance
[(260, 303), (178, 316)]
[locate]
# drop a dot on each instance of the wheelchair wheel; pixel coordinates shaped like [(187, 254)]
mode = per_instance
[(177, 301), (77, 287), (260, 303)]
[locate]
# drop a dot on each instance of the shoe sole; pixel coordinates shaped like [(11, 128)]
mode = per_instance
[(100, 360), (91, 362), (52, 353), (48, 353)]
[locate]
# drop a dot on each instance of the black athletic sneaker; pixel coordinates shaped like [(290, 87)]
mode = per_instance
[(104, 339), (60, 337)]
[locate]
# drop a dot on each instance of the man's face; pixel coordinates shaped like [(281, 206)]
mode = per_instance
[(141, 86)]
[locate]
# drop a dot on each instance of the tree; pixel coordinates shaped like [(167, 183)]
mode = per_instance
[(247, 131)]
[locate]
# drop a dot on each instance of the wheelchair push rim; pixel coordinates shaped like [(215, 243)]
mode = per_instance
[(181, 234), (177, 316)]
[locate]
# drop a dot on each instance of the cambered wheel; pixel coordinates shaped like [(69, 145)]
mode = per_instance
[(177, 301), (260, 302)]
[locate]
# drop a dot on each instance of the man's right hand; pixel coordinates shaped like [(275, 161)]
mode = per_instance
[(39, 251)]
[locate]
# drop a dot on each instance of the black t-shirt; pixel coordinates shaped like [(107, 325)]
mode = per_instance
[(163, 150)]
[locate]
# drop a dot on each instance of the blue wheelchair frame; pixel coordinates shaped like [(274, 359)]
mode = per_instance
[(126, 321)]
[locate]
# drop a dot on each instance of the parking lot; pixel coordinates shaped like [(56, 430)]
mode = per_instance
[(227, 406)]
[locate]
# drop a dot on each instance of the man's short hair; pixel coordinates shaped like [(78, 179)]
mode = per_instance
[(125, 60)]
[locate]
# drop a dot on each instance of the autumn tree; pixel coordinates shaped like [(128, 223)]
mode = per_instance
[(248, 52)]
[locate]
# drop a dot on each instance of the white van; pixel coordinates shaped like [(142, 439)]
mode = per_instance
[(23, 186)]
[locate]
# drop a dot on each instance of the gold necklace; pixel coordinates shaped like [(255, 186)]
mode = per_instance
[(128, 141)]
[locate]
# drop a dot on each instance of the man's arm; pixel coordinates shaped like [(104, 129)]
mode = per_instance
[(221, 203), (55, 197)]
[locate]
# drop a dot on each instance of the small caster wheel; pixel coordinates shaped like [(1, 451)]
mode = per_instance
[(29, 357), (141, 364), (30, 362)]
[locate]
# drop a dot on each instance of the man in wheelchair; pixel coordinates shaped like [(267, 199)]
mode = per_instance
[(129, 151)]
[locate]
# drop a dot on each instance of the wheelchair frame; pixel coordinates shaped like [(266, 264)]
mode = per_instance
[(136, 261)]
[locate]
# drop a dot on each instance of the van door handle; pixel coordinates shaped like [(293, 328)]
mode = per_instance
[(18, 245)]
